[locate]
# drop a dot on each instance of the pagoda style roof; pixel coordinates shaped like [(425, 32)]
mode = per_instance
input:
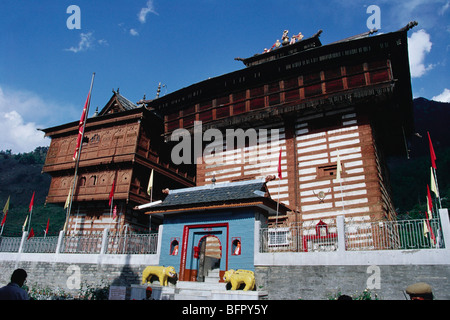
[(117, 103), (284, 50), (117, 106)]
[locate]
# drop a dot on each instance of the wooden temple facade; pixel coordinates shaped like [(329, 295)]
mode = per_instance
[(122, 144), (351, 99)]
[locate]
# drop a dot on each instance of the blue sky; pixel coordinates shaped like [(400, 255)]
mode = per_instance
[(46, 68)]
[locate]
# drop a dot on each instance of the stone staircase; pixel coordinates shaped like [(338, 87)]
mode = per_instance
[(210, 289), (191, 290)]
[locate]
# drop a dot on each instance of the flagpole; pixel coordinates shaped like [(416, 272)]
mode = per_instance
[(79, 154), (279, 183), (338, 174)]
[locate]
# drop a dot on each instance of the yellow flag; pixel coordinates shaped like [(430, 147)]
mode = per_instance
[(429, 211), (25, 223), (425, 228), (6, 208), (338, 168), (433, 185), (150, 184), (66, 205)]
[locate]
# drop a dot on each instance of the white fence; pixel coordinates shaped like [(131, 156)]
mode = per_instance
[(103, 242), (355, 235)]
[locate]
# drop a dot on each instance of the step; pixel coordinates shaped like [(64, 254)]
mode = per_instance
[(213, 273), (212, 279), (181, 296), (194, 285)]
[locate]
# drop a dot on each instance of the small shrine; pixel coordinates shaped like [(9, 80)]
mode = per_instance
[(212, 227)]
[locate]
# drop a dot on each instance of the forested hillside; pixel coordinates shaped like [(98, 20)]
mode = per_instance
[(20, 176)]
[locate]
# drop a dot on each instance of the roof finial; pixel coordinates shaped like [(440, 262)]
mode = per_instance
[(158, 91)]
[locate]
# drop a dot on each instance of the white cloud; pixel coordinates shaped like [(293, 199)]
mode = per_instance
[(20, 136), (419, 45), (142, 15), (133, 32), (21, 113), (443, 97), (87, 41), (444, 8)]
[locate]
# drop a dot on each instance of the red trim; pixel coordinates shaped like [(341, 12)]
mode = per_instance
[(319, 226), (184, 250)]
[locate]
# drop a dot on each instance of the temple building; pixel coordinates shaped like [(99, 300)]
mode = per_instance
[(335, 112), (322, 117), (121, 146)]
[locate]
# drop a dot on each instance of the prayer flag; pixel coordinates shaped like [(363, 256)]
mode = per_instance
[(66, 205), (24, 224), (5, 211), (338, 168), (30, 207), (279, 166), (31, 234), (150, 184), (429, 215), (81, 125), (433, 184), (115, 212), (48, 223), (432, 154), (429, 204), (111, 194)]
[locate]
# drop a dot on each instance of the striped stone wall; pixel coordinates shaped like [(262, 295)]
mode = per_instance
[(310, 145)]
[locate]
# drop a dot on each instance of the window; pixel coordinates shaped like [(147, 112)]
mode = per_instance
[(327, 171), (278, 237), (236, 246), (174, 242)]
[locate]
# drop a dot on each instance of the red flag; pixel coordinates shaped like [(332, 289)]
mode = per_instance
[(279, 166), (31, 234), (80, 127), (5, 211), (429, 214), (115, 212), (46, 229), (111, 194), (432, 154), (4, 219), (30, 207)]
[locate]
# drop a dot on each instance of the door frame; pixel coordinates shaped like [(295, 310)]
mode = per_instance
[(185, 242)]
